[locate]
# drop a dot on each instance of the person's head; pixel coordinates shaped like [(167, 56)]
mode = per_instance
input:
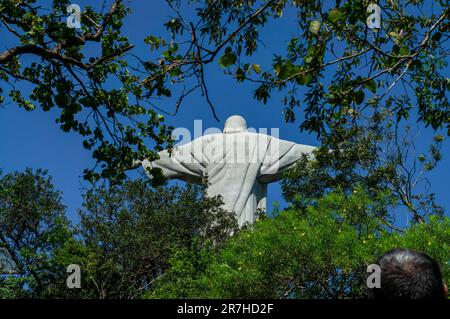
[(408, 274)]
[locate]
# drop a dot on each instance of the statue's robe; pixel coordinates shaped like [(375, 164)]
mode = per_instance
[(238, 166)]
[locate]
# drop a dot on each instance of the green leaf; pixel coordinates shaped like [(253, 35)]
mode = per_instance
[(285, 70), (240, 75), (335, 15), (151, 39), (359, 97), (314, 26), (229, 58), (436, 37), (304, 79), (404, 50), (371, 85), (167, 54), (256, 68)]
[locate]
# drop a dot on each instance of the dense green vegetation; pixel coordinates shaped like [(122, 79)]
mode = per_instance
[(320, 252), (135, 241), (122, 243)]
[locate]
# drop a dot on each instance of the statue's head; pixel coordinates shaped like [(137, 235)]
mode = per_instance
[(235, 124)]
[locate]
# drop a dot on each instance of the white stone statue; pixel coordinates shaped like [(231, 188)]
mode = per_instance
[(238, 165)]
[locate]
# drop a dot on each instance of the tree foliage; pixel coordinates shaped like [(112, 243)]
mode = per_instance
[(332, 67), (377, 154), (33, 227), (128, 234), (334, 64), (84, 74), (123, 242)]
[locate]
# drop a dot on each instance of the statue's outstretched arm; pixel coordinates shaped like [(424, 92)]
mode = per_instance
[(280, 156), (183, 163)]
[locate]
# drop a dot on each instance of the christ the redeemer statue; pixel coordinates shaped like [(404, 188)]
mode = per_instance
[(237, 164)]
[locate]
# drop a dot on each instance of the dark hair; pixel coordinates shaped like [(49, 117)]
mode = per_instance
[(408, 274)]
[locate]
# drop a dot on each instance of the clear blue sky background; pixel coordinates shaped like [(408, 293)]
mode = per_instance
[(32, 139)]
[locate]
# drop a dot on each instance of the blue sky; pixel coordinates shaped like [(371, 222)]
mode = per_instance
[(33, 139)]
